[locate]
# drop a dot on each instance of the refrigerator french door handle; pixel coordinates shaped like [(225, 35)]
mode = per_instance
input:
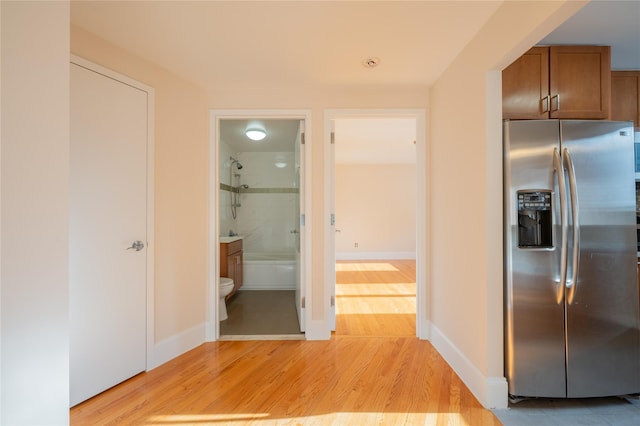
[(564, 248), (572, 282)]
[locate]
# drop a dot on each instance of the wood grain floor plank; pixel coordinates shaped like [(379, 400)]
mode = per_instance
[(373, 370), (357, 380), (376, 298)]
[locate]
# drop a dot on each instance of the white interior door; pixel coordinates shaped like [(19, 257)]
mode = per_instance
[(331, 253), (107, 215), (299, 163)]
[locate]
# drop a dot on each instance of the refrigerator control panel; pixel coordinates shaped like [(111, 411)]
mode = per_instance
[(534, 201), (534, 219)]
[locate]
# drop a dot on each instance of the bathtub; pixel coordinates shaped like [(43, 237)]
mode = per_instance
[(269, 271)]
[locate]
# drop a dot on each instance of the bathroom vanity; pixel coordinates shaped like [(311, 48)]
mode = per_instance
[(231, 261)]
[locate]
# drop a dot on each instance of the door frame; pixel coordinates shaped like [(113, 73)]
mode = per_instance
[(422, 196), (215, 115), (150, 243)]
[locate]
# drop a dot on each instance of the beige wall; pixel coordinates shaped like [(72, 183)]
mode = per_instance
[(34, 215), (465, 305), (181, 185), (181, 170), (317, 99), (375, 207), (466, 158)]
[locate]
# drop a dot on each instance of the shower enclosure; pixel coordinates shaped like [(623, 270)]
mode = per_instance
[(259, 200), (234, 191)]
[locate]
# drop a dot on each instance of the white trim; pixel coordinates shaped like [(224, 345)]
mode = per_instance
[(493, 247), (490, 391), (215, 115), (317, 329), (423, 228), (375, 255), (213, 264), (329, 224), (496, 393), (422, 190), (262, 337), (176, 345), (150, 246), (1, 382)]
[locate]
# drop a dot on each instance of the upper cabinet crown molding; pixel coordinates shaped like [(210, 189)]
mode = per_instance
[(571, 82)]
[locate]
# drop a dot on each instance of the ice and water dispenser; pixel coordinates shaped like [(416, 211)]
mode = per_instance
[(534, 219)]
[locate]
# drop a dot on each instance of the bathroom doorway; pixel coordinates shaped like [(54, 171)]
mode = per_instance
[(258, 216), (377, 251)]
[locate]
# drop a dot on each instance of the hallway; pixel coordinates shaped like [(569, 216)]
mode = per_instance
[(372, 371), (376, 298)]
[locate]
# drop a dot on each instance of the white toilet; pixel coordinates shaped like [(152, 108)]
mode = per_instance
[(226, 285)]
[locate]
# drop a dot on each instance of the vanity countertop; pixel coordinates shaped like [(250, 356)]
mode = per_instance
[(230, 239)]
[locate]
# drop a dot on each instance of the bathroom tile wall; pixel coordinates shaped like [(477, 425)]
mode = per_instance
[(268, 213), (226, 221)]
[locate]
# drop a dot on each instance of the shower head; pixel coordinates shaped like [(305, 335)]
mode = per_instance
[(236, 162)]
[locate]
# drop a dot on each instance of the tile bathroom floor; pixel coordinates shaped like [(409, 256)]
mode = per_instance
[(261, 313)]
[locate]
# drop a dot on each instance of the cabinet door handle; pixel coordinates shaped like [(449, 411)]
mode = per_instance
[(557, 97), (545, 103)]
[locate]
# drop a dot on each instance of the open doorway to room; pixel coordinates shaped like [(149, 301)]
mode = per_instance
[(258, 186), (377, 171)]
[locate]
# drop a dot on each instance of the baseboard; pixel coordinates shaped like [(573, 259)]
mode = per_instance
[(375, 255), (492, 392), (176, 345), (423, 330), (497, 393)]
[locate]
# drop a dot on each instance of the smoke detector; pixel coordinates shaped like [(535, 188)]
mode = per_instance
[(371, 62)]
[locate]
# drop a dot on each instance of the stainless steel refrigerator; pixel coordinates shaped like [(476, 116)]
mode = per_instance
[(572, 326)]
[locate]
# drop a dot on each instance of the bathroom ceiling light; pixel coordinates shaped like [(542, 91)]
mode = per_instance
[(280, 164), (256, 134)]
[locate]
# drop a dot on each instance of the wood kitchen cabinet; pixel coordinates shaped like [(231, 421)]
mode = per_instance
[(231, 264), (558, 82), (625, 96)]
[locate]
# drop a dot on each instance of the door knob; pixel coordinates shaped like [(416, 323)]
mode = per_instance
[(136, 245)]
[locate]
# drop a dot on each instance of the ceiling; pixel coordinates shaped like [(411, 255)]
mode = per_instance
[(243, 44)]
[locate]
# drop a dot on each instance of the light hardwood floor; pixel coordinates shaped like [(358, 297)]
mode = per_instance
[(376, 298), (372, 371)]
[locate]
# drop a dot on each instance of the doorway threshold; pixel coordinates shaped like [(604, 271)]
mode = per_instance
[(228, 337)]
